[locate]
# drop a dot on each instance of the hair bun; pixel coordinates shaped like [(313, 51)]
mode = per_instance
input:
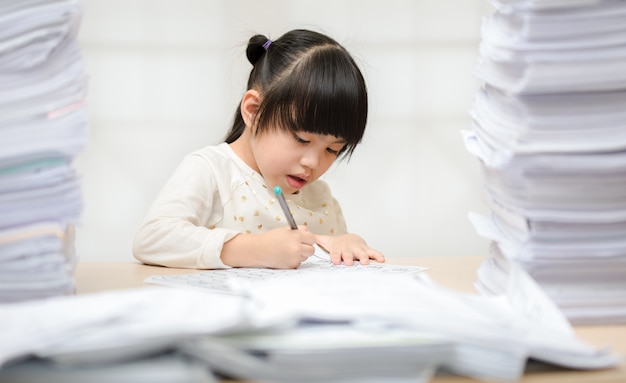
[(255, 48)]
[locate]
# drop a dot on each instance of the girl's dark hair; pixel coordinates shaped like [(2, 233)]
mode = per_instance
[(308, 82)]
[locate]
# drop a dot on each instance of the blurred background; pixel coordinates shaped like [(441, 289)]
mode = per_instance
[(166, 77)]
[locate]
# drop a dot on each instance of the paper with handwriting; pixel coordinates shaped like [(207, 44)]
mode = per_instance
[(225, 280)]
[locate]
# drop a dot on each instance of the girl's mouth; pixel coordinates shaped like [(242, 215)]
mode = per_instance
[(296, 182)]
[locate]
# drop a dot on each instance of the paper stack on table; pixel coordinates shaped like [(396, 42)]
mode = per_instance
[(43, 125), (342, 326), (549, 128)]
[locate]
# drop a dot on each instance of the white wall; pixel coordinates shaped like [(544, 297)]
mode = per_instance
[(166, 76)]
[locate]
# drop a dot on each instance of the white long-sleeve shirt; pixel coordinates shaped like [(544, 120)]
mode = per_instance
[(213, 196)]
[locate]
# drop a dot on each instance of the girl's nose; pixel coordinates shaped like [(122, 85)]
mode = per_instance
[(310, 159)]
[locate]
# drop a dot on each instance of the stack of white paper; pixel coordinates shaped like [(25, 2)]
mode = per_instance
[(342, 326), (549, 128), (561, 49), (43, 125)]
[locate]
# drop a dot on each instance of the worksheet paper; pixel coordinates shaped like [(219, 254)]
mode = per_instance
[(231, 280)]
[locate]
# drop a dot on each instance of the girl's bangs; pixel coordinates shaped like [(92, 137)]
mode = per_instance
[(324, 94)]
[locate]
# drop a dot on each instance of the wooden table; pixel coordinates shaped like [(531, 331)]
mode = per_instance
[(457, 273)]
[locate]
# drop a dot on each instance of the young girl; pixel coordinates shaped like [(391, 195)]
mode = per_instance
[(305, 107)]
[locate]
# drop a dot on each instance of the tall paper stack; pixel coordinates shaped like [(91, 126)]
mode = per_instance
[(43, 126), (549, 128)]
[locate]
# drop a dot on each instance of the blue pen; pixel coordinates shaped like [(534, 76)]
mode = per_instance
[(283, 204), (320, 252)]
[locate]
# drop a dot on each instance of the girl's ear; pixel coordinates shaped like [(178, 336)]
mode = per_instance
[(250, 106)]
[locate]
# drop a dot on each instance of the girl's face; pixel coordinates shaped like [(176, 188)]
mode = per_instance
[(293, 159)]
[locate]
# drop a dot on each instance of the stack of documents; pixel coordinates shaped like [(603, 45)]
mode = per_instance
[(566, 46), (43, 125), (341, 326), (549, 129)]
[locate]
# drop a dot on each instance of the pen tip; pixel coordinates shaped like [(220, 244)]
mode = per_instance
[(277, 190)]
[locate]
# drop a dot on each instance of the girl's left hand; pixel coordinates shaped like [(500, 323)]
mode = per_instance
[(348, 248)]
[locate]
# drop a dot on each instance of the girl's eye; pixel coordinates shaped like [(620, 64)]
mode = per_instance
[(300, 140), (332, 151)]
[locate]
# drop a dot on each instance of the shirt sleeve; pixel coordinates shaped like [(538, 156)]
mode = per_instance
[(176, 231)]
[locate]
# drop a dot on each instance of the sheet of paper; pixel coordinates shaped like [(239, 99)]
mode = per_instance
[(225, 280)]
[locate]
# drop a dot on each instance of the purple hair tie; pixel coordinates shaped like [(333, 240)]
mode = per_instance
[(267, 44)]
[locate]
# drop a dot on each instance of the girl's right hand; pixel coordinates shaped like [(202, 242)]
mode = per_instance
[(282, 248), (286, 248)]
